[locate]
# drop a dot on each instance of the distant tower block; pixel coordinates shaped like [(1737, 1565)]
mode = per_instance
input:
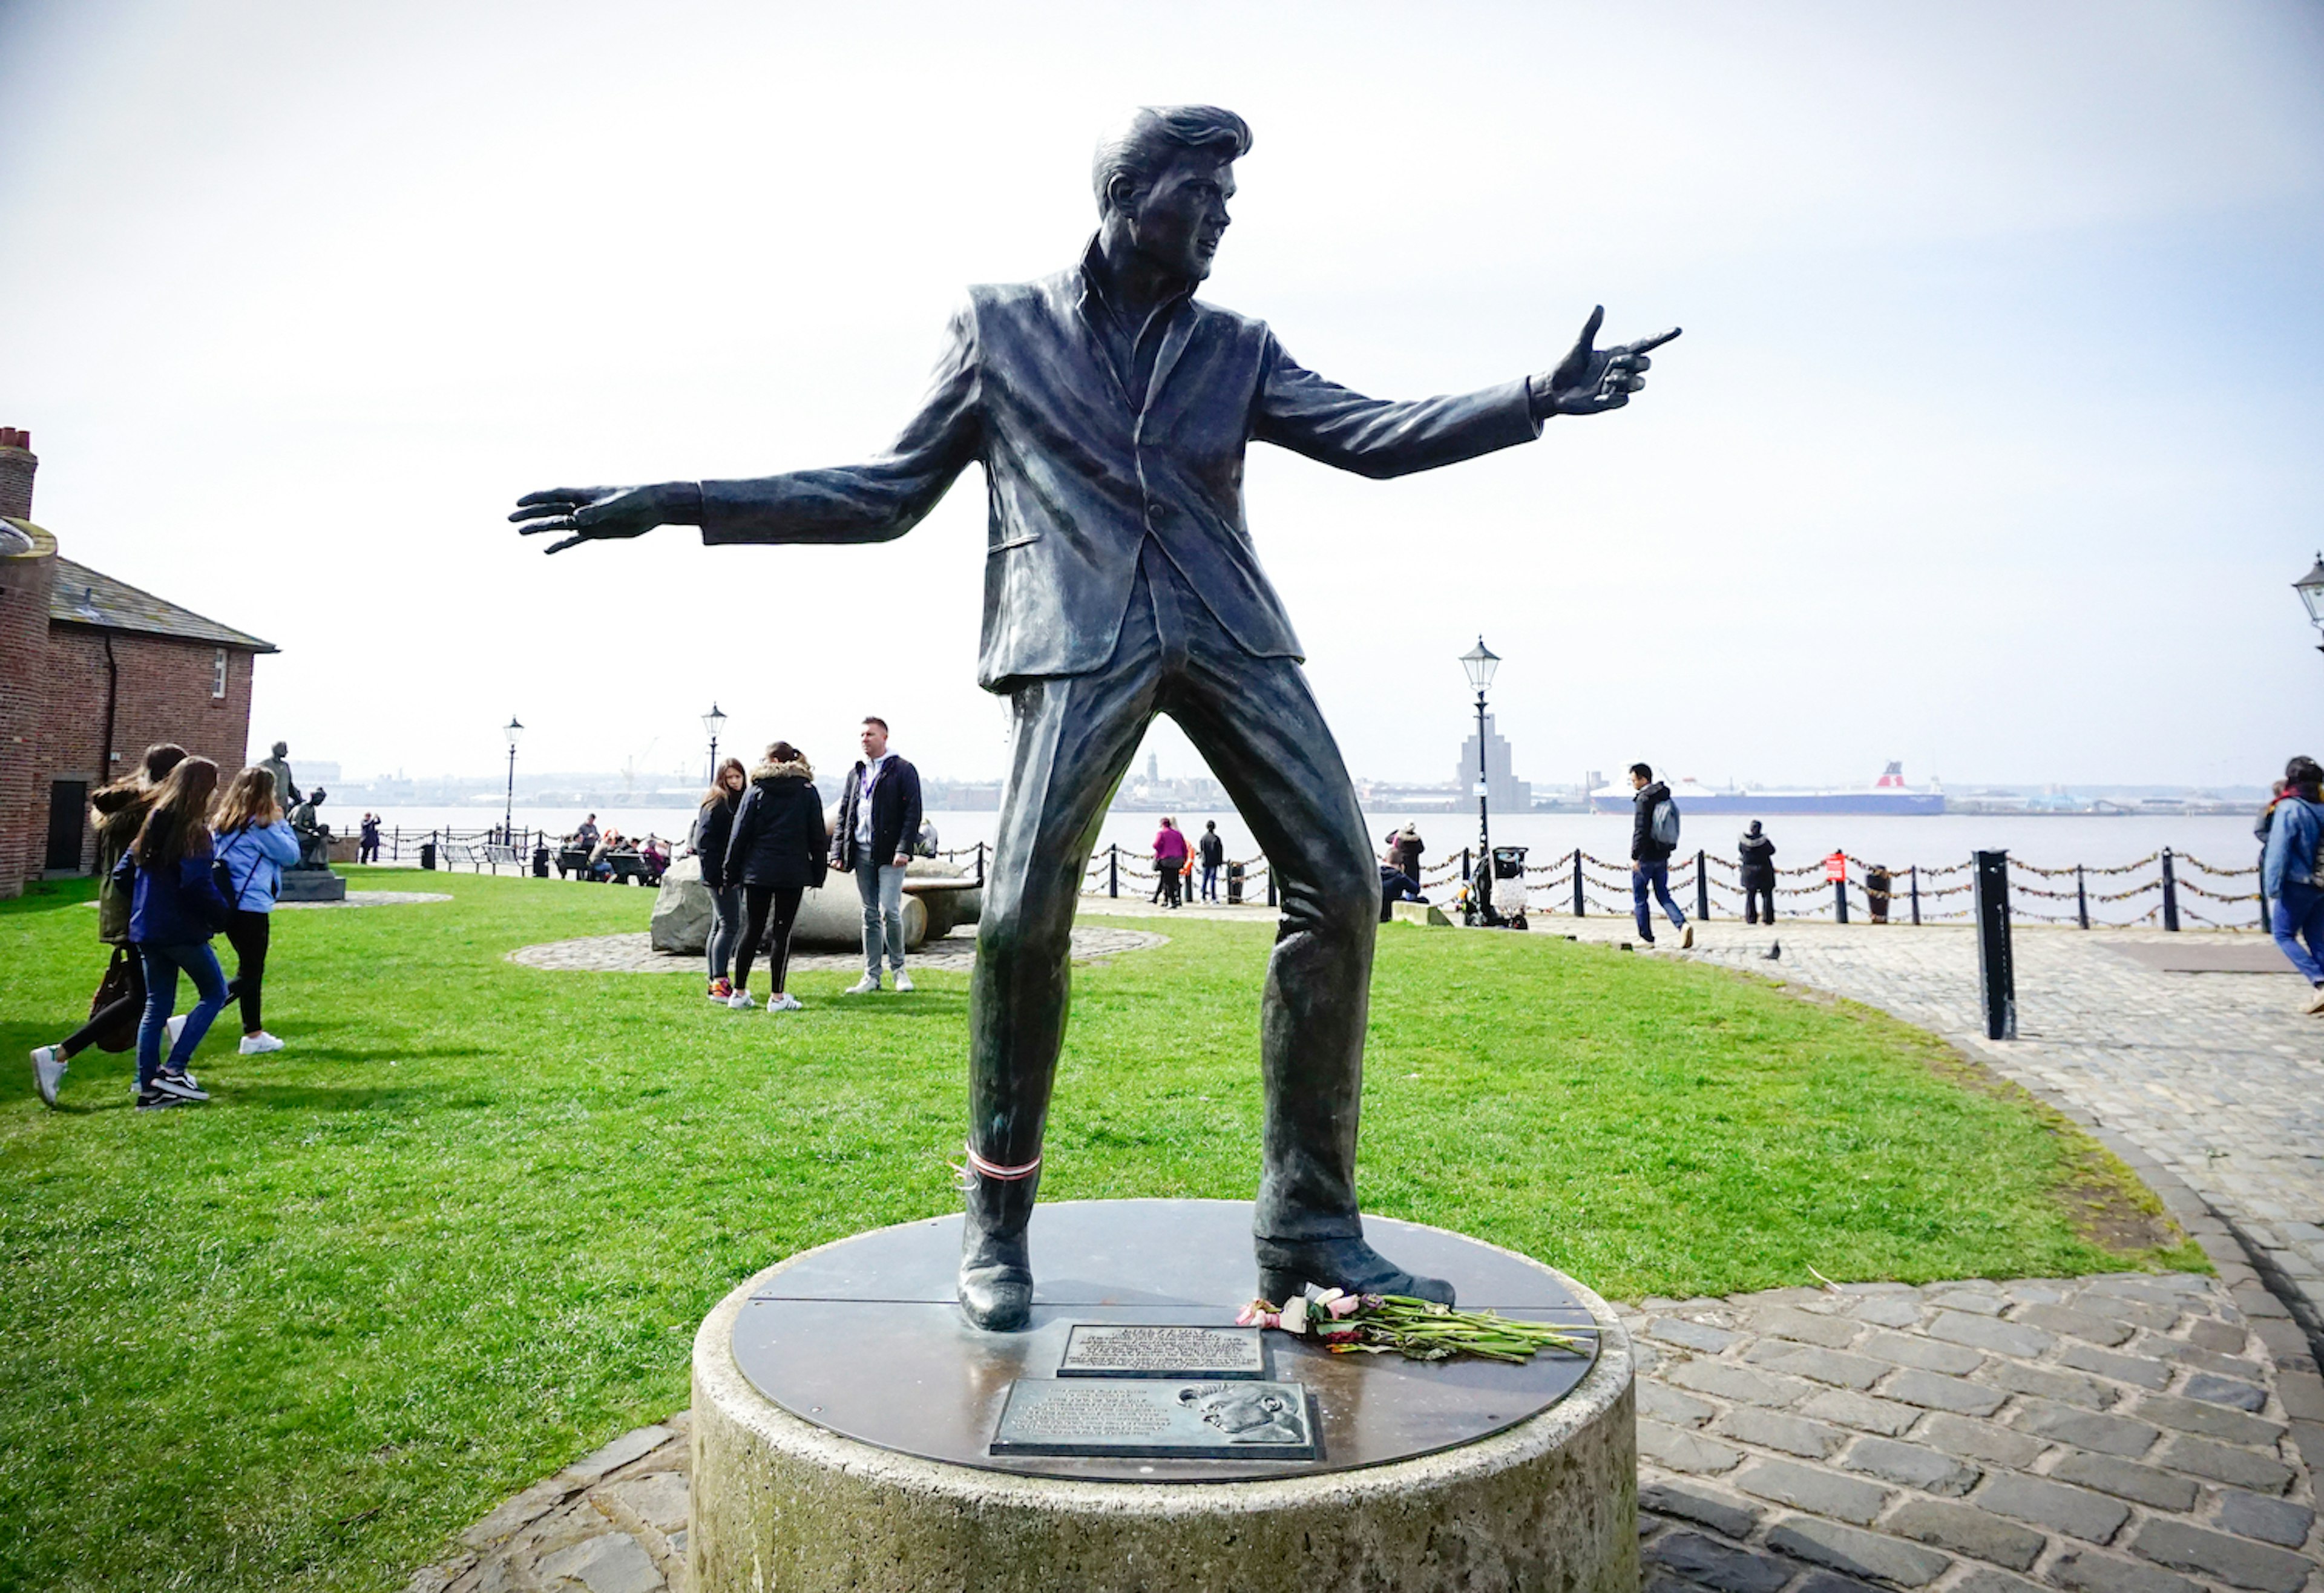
[(1503, 790)]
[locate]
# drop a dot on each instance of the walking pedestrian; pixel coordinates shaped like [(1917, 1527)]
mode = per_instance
[(174, 909), (2295, 823), (1879, 885), (1755, 858), (878, 813), (121, 809), (1170, 860), (714, 828), (256, 844), (1654, 836), (778, 849), (1213, 853)]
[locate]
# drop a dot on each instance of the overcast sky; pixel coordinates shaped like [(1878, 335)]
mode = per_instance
[(1995, 437)]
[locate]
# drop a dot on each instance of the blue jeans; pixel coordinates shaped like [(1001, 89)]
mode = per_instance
[(882, 890), (162, 965), (1210, 882), (726, 924), (1657, 876), (2300, 914)]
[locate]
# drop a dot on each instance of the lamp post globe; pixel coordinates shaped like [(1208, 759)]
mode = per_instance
[(513, 729), (1480, 662), (2310, 587), (712, 722)]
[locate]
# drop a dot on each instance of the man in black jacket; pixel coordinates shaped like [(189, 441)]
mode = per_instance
[(878, 819), (1650, 858)]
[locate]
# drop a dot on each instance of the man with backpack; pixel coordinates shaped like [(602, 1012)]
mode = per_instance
[(2294, 824), (1654, 836)]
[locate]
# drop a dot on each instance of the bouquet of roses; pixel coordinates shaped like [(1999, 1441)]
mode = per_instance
[(1418, 1330)]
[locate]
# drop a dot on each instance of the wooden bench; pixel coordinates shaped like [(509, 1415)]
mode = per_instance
[(459, 854)]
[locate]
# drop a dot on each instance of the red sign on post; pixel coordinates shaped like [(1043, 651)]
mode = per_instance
[(1835, 868)]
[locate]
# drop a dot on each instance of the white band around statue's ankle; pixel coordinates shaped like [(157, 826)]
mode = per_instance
[(984, 1169)]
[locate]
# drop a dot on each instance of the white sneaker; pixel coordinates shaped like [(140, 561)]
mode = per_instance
[(171, 1029), (48, 1068), (740, 1002), (867, 985), (783, 1002), (260, 1043), (903, 983)]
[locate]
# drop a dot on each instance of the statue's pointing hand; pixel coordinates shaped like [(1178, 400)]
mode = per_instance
[(589, 514), (1591, 379)]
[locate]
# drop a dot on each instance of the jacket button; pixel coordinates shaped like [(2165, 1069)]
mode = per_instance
[(1156, 509)]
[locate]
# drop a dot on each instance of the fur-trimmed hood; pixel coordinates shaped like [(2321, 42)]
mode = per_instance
[(796, 769)]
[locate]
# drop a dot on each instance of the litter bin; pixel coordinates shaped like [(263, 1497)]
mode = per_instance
[(427, 854), (1234, 884), (540, 863)]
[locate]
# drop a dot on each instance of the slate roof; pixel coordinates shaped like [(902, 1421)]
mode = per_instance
[(84, 596)]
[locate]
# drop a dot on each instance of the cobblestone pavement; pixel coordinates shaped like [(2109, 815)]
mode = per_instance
[(2115, 1434), (955, 953)]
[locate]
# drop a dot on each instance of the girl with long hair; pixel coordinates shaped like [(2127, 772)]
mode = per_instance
[(256, 844), (121, 809), (175, 908), (778, 849), (714, 827)]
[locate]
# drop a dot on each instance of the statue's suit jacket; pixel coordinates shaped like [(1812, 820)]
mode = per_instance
[(1078, 477)]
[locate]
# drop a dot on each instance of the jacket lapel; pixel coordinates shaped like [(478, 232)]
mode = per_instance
[(1174, 343)]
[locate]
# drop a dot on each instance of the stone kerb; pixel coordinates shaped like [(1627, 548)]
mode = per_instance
[(780, 1503)]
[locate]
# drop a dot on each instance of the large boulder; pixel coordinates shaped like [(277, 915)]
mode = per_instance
[(681, 915), (830, 920)]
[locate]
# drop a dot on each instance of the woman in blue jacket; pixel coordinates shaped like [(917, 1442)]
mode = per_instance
[(176, 907), (255, 845), (2288, 870)]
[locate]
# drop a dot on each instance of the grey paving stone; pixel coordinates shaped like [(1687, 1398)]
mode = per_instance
[(2212, 1421), (1857, 1553), (2086, 1570), (1721, 1513), (2302, 1394), (2145, 1371), (2223, 1337), (1984, 1333), (2136, 1312), (1807, 1487), (1717, 1565), (1938, 1391), (1978, 1301), (2128, 1480), (2079, 1324), (1775, 1429), (1981, 1440), (1825, 1366), (1910, 1350), (1808, 1327), (1862, 1410), (2255, 1515), (1666, 1404), (2042, 1382), (1703, 1336), (1829, 1581), (1739, 1383), (2209, 1360), (2078, 1513), (1930, 1470), (2226, 1391), (1682, 1450), (1966, 1530), (631, 1446), (1888, 1310), (2108, 1435), (2238, 1561), (1986, 1580), (610, 1564), (2219, 1463)]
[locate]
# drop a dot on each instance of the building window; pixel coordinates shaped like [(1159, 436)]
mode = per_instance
[(218, 675)]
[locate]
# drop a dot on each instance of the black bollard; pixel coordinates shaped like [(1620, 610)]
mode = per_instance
[(2266, 920), (2170, 893), (1912, 875), (1839, 898), (1113, 870), (1995, 968), (1701, 887), (1579, 908), (2082, 898)]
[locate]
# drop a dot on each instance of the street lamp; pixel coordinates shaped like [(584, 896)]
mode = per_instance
[(1480, 661), (2310, 587), (711, 723), (512, 730)]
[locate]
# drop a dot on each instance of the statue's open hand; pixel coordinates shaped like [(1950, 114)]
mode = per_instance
[(1590, 381), (587, 514)]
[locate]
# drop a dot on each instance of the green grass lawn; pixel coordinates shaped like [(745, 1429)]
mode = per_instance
[(462, 1230)]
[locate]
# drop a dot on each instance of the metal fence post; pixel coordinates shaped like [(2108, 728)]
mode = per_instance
[(2170, 893), (1579, 905), (1996, 969), (1701, 887), (1270, 884), (2266, 921), (2082, 898), (1113, 869), (980, 862), (1912, 879), (1839, 898)]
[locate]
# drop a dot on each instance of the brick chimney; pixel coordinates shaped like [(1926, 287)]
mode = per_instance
[(17, 464)]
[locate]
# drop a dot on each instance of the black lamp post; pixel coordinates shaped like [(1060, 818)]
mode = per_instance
[(2310, 587), (512, 730), (1480, 661), (712, 722)]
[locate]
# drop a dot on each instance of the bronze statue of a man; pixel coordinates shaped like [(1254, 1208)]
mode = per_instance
[(1111, 410)]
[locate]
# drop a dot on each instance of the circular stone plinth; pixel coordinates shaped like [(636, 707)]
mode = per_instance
[(954, 953), (843, 1408)]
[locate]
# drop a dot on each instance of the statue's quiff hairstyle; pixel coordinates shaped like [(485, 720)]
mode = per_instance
[(1155, 135)]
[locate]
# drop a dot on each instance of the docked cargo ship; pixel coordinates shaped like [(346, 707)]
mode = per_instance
[(1887, 794)]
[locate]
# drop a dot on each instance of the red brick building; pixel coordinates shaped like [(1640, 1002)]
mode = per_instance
[(92, 672)]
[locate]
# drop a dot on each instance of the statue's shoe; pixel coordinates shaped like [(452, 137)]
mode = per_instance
[(1286, 1269), (998, 1299)]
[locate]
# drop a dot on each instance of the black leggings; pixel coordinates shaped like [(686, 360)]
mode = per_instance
[(769, 911), (247, 933), (86, 1035), (1755, 893)]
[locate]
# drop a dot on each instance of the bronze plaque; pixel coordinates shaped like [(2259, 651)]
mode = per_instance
[(1131, 1417), (1161, 1349)]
